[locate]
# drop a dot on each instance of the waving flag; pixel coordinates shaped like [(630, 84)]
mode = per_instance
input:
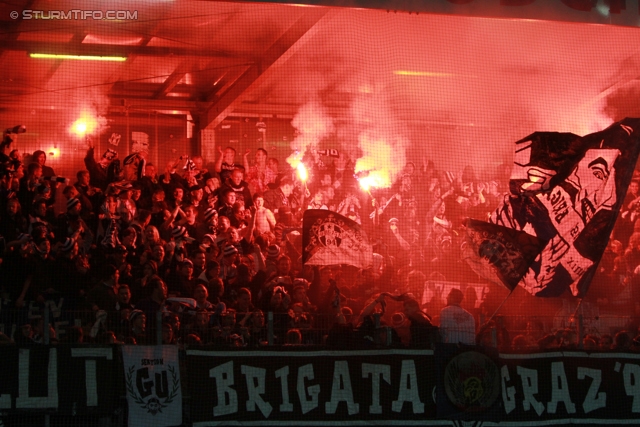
[(499, 253), (329, 238), (566, 191), (189, 165)]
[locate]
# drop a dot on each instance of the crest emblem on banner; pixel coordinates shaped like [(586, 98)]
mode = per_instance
[(329, 233), (152, 382), (138, 388), (472, 381), (330, 238)]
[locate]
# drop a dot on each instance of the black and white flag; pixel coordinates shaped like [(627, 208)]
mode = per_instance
[(566, 191), (329, 238)]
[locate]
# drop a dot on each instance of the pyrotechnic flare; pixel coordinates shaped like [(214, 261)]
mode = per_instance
[(85, 125), (295, 161), (372, 181), (382, 145), (312, 124), (302, 173), (80, 127), (380, 161)]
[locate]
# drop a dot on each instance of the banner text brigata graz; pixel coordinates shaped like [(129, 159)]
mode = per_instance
[(345, 387)]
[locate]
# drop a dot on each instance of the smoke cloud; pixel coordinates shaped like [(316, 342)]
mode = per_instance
[(313, 124), (381, 141)]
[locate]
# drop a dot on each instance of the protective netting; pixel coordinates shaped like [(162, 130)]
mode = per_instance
[(268, 178)]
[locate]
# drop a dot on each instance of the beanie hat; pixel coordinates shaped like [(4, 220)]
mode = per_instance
[(273, 251), (134, 314), (210, 213), (230, 250), (72, 202), (178, 231)]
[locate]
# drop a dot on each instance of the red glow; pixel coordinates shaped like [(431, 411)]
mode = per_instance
[(382, 88), (85, 125)]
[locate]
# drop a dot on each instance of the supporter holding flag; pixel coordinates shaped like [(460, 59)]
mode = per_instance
[(329, 238), (566, 192)]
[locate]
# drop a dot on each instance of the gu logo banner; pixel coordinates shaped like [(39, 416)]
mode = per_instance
[(566, 191), (152, 382)]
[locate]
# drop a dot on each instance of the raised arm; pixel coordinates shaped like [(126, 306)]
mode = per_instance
[(369, 308), (245, 159), (403, 243), (248, 236), (218, 165)]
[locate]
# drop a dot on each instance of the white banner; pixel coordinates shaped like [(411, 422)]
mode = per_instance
[(152, 382)]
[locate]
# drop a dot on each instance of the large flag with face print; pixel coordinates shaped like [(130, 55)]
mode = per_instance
[(566, 191), (329, 238)]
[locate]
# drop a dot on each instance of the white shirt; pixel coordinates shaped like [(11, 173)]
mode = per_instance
[(457, 325)]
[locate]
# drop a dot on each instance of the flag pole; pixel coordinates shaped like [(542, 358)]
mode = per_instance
[(577, 307), (482, 328), (302, 257), (579, 325)]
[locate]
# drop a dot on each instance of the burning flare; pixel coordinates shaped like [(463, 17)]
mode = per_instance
[(295, 161), (302, 172), (85, 125), (312, 124), (381, 139), (378, 162), (375, 179)]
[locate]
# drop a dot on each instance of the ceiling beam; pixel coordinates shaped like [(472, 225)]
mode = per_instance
[(143, 104), (132, 87), (91, 49), (225, 81), (275, 56), (76, 39), (164, 120), (265, 110), (171, 81)]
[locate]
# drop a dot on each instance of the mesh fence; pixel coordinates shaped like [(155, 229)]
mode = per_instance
[(318, 342)]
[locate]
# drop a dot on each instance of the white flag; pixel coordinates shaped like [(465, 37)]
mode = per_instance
[(152, 382)]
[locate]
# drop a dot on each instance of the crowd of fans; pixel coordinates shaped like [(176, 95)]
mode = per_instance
[(214, 257)]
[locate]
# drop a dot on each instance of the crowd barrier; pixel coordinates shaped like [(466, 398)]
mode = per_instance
[(373, 382), (13, 322), (122, 385)]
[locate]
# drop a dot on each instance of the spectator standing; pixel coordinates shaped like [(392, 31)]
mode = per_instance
[(457, 325), (103, 295), (258, 175), (40, 157), (226, 163)]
